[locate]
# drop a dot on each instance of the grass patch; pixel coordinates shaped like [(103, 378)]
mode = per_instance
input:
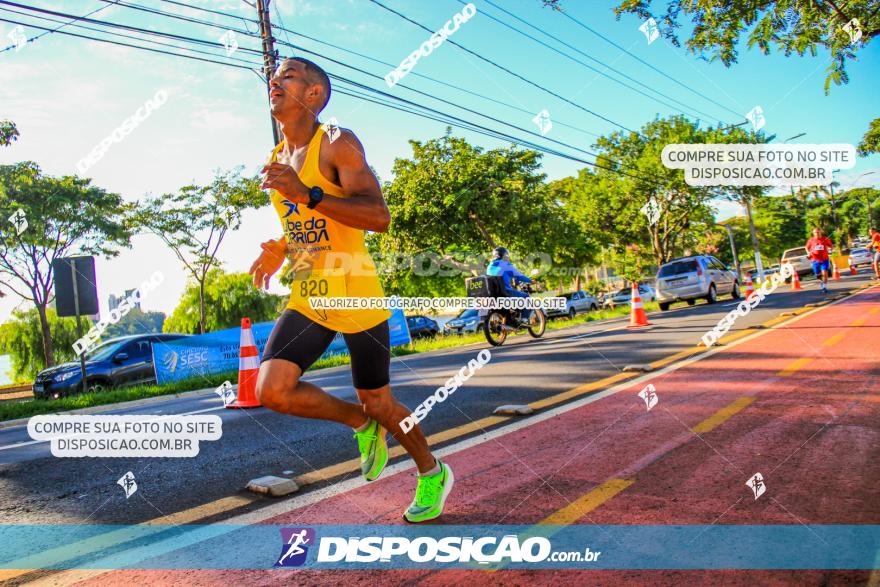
[(13, 410)]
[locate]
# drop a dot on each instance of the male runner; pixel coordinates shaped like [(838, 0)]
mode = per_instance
[(874, 248), (327, 196), (818, 248)]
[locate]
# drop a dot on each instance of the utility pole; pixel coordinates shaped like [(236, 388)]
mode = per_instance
[(733, 251), (758, 263), (270, 55)]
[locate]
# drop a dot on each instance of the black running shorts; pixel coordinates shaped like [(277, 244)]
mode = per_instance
[(297, 339)]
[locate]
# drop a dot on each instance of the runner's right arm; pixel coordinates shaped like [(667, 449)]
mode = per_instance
[(269, 261)]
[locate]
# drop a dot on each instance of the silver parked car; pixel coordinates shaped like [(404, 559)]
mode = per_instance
[(622, 296), (860, 256), (691, 278), (576, 302), (799, 260), (466, 322)]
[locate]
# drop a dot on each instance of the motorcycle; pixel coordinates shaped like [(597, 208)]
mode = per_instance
[(497, 324)]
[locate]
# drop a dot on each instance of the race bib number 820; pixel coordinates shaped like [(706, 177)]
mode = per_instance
[(330, 284)]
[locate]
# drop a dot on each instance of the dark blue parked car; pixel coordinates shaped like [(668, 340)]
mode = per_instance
[(422, 327), (127, 360)]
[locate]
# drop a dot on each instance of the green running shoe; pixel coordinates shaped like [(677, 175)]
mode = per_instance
[(374, 450), (431, 495)]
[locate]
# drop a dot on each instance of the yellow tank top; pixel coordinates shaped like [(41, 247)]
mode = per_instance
[(329, 259)]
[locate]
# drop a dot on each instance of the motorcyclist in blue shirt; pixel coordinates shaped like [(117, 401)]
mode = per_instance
[(501, 265)]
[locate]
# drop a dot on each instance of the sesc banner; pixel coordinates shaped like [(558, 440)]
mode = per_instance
[(217, 352)]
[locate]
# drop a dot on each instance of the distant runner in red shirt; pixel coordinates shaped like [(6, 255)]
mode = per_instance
[(874, 249), (818, 248)]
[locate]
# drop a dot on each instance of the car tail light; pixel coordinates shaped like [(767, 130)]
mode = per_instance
[(699, 272)]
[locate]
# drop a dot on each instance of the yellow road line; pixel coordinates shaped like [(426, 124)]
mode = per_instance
[(859, 321), (722, 415), (834, 339), (795, 366), (586, 503), (568, 515)]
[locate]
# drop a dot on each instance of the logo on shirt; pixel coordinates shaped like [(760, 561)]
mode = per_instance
[(291, 208)]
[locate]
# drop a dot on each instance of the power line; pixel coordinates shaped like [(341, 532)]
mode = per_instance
[(590, 67), (505, 69), (445, 117), (99, 9), (286, 31), (212, 11), (642, 61), (433, 79), (121, 44), (429, 96), (124, 26), (125, 36)]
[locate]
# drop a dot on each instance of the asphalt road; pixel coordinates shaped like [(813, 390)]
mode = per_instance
[(36, 487)]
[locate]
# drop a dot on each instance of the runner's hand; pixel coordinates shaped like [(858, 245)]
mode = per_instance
[(283, 179), (269, 261)]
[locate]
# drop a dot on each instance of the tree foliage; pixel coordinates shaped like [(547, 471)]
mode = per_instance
[(65, 216), (136, 322), (8, 133), (608, 202), (21, 338), (457, 202), (871, 141), (228, 298), (791, 26)]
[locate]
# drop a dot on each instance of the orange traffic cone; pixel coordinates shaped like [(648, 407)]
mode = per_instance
[(637, 316), (248, 368), (853, 270), (795, 281), (750, 287), (836, 274)]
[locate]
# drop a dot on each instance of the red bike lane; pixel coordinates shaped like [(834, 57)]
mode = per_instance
[(798, 404)]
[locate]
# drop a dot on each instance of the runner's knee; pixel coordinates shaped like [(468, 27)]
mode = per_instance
[(377, 405), (274, 391)]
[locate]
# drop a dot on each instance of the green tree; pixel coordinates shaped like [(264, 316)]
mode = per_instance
[(20, 337), (871, 141), (792, 26), (135, 322), (779, 224), (228, 297), (608, 203), (8, 133), (65, 216), (457, 202), (194, 221)]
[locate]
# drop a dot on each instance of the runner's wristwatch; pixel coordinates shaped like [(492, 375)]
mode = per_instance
[(316, 194)]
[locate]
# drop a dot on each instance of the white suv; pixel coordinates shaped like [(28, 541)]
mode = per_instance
[(690, 278)]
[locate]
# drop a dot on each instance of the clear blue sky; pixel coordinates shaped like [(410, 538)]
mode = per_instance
[(66, 94)]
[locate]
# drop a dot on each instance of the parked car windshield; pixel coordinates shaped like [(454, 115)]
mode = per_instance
[(104, 351), (678, 267), (859, 251), (465, 314), (801, 252)]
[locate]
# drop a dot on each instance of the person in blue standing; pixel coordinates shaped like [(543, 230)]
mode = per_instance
[(501, 265)]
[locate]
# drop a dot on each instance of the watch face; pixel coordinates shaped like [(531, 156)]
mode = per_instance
[(316, 194)]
